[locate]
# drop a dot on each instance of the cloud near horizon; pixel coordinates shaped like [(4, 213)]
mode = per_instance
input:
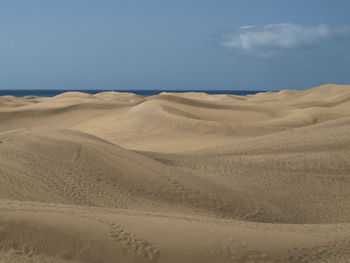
[(273, 39)]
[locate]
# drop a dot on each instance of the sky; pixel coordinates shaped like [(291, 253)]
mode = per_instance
[(182, 44)]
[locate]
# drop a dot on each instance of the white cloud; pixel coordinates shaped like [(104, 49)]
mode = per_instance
[(246, 27), (273, 39)]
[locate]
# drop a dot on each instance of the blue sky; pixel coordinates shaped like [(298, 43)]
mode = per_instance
[(161, 44)]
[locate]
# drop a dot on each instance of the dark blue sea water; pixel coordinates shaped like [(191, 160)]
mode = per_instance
[(145, 93)]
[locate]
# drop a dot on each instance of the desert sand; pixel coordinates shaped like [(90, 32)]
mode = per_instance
[(176, 177)]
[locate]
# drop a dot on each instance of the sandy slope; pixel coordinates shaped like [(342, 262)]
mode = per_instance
[(189, 177)]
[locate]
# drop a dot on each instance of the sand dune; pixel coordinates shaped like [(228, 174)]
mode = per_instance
[(86, 170), (188, 177), (90, 234), (294, 176)]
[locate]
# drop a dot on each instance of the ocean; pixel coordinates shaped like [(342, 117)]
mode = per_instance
[(145, 93)]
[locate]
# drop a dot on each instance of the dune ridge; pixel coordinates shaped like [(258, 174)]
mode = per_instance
[(176, 177)]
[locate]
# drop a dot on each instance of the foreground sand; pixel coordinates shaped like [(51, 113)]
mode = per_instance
[(190, 177)]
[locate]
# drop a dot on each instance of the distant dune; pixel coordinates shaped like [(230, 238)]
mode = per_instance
[(176, 177)]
